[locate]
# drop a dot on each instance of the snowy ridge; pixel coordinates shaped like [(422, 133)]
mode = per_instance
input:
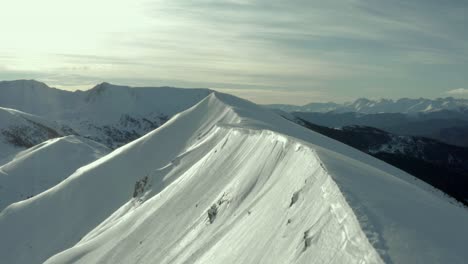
[(228, 181), (36, 97), (244, 205), (103, 104), (43, 166), (19, 130)]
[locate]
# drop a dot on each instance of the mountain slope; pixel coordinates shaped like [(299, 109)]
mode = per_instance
[(45, 165), (19, 130), (115, 115), (227, 181), (110, 114), (36, 97), (441, 165)]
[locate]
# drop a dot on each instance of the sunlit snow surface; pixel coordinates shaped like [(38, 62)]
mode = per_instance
[(229, 182)]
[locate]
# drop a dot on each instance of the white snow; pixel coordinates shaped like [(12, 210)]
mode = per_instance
[(428, 108), (110, 114), (105, 103), (33, 128), (43, 166), (227, 181)]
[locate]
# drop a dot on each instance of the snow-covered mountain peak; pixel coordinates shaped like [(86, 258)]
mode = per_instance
[(107, 98), (227, 181), (102, 86), (23, 84), (35, 97), (102, 102), (107, 90), (310, 188), (110, 114)]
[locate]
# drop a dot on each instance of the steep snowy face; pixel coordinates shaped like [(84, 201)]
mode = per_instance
[(74, 207), (43, 166), (229, 182), (239, 196)]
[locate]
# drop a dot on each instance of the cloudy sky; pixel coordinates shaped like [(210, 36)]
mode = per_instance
[(267, 51)]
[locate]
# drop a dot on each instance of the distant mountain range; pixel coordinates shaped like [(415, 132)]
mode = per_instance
[(444, 119), (447, 126), (367, 106)]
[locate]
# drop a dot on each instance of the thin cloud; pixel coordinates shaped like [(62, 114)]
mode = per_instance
[(269, 96), (459, 91)]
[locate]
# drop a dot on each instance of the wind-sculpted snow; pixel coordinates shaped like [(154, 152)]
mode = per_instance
[(229, 182)]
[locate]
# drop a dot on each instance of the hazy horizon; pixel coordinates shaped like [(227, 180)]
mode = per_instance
[(233, 92)]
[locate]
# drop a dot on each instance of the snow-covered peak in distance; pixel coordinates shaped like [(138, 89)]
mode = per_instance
[(368, 106), (34, 97), (105, 89), (227, 181), (111, 101), (105, 102), (110, 114), (23, 84)]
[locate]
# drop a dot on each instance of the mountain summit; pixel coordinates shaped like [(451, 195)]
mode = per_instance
[(227, 181)]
